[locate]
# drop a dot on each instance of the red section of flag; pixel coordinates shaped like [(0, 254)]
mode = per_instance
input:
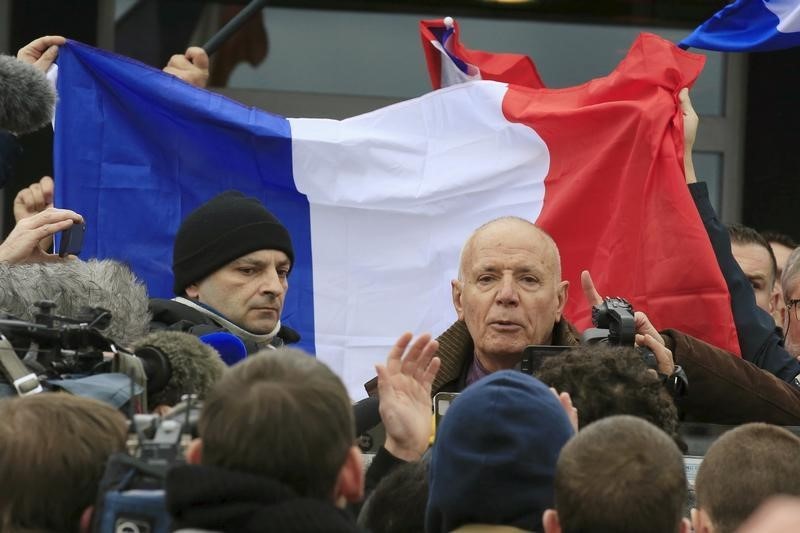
[(616, 200), (511, 68)]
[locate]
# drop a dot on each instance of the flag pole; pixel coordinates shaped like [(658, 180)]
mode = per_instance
[(213, 44)]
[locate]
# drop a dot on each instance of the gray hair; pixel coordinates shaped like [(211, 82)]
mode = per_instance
[(790, 271), (75, 284)]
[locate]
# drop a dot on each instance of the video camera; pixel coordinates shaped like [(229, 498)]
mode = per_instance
[(54, 347), (615, 325)]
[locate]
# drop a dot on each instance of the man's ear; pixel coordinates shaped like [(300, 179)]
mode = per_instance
[(350, 483), (781, 313), (192, 291), (774, 301), (194, 453), (457, 289), (550, 521), (563, 292)]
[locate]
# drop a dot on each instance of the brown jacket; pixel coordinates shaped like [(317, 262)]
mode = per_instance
[(456, 351), (723, 388)]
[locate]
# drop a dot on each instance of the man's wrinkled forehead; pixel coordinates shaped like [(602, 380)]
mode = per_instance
[(509, 233)]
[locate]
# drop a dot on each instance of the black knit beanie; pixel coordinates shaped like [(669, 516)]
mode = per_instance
[(225, 228)]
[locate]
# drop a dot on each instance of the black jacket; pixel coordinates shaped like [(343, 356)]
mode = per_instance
[(759, 340), (215, 499), (174, 316)]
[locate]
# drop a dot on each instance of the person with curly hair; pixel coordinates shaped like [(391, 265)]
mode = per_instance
[(611, 380)]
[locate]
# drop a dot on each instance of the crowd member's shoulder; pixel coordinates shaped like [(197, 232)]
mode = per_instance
[(169, 314)]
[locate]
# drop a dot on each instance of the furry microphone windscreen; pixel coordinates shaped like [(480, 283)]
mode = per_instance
[(27, 98), (75, 284), (194, 366)]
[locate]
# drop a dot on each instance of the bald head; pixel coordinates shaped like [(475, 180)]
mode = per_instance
[(509, 291), (510, 225)]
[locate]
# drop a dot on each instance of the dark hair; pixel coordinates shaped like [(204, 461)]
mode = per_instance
[(281, 414), (398, 503), (780, 238), (742, 469), (620, 475), (54, 448), (608, 380), (743, 235)]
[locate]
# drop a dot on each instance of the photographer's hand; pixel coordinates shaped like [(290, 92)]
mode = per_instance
[(566, 403), (404, 386), (34, 199), (643, 325), (666, 365), (22, 244)]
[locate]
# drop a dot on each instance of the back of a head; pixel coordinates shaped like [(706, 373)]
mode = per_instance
[(54, 449), (495, 453), (397, 505), (610, 380), (283, 415), (779, 238), (742, 469), (72, 285), (620, 474)]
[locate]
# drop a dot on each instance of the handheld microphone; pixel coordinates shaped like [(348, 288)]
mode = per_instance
[(177, 363), (229, 346), (27, 98)]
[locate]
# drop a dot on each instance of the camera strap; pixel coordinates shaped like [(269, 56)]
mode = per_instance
[(23, 380)]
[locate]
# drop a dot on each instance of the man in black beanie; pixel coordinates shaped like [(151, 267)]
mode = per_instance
[(231, 264)]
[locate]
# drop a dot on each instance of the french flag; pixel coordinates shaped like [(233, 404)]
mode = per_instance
[(450, 62), (749, 26), (379, 205)]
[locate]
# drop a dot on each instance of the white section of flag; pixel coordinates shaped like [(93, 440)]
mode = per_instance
[(393, 194), (451, 74), (788, 12)]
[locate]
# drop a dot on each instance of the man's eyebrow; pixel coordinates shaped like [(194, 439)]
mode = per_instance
[(245, 261)]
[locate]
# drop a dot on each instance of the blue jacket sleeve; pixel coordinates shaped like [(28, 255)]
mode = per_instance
[(759, 339)]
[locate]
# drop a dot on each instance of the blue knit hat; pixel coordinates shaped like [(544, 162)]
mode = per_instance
[(494, 459)]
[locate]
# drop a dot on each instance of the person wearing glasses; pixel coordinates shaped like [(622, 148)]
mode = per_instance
[(761, 342), (790, 286)]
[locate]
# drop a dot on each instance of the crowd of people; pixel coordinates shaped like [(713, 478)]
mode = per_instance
[(590, 442)]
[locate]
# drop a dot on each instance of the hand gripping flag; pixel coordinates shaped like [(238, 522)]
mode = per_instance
[(449, 62), (749, 26), (379, 205)]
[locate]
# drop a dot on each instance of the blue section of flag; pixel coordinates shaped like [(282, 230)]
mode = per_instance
[(136, 150), (743, 26), (444, 35)]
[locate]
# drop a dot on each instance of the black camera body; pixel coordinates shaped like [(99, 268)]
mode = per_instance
[(615, 325), (55, 345)]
